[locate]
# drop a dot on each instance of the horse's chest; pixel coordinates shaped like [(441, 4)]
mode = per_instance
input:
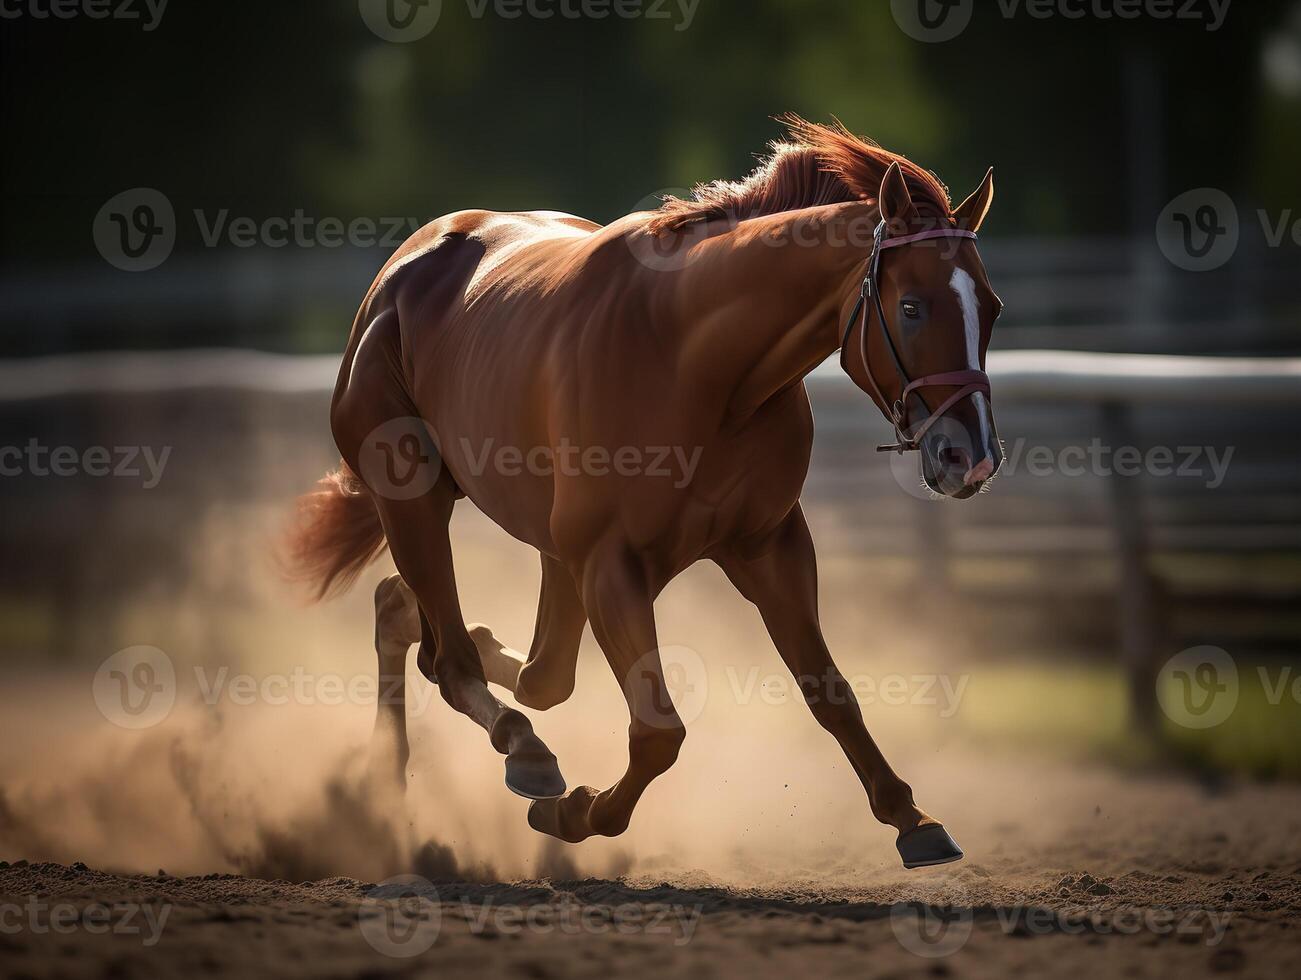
[(758, 473)]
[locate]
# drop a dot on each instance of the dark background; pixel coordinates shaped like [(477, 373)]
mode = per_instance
[(1093, 125)]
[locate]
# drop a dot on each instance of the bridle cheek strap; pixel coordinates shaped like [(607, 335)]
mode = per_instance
[(968, 382)]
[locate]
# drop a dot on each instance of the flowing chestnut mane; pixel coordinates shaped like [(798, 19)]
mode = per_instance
[(817, 164)]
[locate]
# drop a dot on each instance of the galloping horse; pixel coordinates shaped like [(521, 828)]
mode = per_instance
[(533, 362)]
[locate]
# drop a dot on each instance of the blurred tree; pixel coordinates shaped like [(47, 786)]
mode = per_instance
[(264, 108)]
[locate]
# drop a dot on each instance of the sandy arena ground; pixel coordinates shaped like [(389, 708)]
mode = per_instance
[(1165, 881), (239, 834)]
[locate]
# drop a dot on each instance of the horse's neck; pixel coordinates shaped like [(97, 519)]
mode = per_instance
[(768, 300)]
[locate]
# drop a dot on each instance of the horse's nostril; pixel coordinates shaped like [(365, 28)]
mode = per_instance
[(979, 473), (954, 460)]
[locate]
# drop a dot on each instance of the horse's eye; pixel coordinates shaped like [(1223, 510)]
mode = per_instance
[(911, 310)]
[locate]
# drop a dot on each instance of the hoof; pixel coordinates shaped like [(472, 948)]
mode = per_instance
[(927, 846), (565, 819), (533, 773)]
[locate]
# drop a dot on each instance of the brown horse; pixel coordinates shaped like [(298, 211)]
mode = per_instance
[(628, 400)]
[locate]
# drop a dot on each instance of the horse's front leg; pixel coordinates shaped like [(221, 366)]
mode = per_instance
[(782, 581), (619, 604)]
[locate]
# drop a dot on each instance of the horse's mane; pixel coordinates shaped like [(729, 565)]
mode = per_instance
[(817, 164)]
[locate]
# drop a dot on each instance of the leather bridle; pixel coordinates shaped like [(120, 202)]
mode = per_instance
[(969, 381)]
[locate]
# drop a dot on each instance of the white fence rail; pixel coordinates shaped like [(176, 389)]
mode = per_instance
[(1019, 376), (1112, 386)]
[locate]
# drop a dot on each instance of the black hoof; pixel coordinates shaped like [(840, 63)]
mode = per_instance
[(927, 846), (533, 773)]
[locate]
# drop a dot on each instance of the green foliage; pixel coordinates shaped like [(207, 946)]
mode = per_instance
[(263, 108)]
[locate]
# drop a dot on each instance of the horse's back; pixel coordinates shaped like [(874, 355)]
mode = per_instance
[(456, 323)]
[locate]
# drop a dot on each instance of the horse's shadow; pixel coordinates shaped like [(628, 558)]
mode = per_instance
[(712, 901)]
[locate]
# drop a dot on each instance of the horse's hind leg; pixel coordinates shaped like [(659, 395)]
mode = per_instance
[(416, 526), (397, 627), (397, 622), (417, 532)]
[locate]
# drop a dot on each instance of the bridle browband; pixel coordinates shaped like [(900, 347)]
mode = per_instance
[(969, 381)]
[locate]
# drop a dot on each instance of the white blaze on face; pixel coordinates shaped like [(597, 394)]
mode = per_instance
[(964, 287)]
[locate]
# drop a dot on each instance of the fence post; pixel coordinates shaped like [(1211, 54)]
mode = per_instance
[(1136, 599)]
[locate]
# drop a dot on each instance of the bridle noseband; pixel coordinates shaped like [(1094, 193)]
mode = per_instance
[(970, 381)]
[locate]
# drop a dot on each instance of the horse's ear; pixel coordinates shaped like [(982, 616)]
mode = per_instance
[(970, 214), (895, 202)]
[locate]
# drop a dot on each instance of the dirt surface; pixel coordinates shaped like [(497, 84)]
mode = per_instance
[(756, 855), (1199, 885)]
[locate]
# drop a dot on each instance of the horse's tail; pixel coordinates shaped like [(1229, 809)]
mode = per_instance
[(335, 535)]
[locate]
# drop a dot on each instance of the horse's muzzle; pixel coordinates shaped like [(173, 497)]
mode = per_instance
[(960, 456)]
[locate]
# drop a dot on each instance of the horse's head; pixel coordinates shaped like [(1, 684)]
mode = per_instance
[(917, 339)]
